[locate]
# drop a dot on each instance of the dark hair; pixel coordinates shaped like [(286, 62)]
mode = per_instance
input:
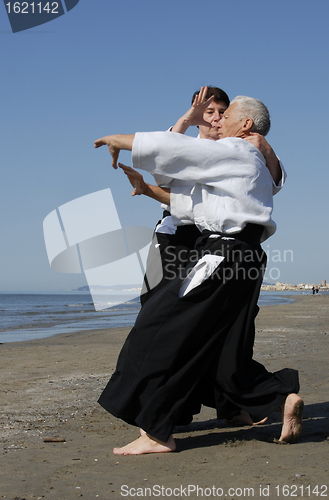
[(219, 95)]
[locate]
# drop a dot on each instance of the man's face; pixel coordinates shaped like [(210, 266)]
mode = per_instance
[(231, 123), (213, 116)]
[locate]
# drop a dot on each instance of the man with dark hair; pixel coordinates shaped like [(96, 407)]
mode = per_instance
[(218, 94), (215, 101), (201, 325)]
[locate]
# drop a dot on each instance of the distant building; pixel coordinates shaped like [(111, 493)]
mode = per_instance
[(279, 286)]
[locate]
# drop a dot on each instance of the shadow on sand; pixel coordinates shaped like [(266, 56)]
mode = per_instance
[(316, 429)]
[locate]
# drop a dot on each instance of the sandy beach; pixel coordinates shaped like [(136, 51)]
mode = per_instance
[(50, 388)]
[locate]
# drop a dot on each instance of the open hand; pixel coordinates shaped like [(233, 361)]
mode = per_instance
[(136, 180)]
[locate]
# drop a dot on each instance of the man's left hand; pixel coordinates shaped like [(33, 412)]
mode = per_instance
[(272, 161), (136, 180)]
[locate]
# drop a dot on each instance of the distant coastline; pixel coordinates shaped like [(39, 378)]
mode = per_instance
[(280, 287), (272, 287)]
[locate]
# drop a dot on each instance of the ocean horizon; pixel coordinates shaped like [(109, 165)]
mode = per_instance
[(35, 315)]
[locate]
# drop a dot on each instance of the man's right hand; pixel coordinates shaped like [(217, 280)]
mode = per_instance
[(109, 140), (115, 143)]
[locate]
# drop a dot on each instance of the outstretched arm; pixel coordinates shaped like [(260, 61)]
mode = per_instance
[(272, 161), (115, 143), (194, 116), (141, 187)]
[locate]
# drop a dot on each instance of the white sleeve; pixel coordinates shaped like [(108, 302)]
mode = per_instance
[(179, 156), (181, 205), (163, 180)]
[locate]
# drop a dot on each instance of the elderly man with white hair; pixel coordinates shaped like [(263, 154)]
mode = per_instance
[(200, 326)]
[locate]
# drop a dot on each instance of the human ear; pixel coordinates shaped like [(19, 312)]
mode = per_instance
[(247, 124)]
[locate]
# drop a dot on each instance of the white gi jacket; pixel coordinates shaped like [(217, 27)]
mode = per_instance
[(233, 186)]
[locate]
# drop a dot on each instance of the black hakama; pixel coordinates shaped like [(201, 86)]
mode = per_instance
[(197, 349), (167, 257)]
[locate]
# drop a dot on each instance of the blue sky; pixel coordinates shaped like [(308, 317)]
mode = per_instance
[(119, 67)]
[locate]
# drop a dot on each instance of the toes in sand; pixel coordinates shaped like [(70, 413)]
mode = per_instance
[(146, 444)]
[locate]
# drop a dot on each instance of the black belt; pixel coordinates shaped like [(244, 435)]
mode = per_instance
[(251, 233)]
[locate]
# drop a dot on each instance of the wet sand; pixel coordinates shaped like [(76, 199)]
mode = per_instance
[(49, 387)]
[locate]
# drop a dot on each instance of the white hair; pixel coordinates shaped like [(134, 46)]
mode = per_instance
[(249, 107)]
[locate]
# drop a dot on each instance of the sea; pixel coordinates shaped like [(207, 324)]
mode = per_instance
[(27, 316)]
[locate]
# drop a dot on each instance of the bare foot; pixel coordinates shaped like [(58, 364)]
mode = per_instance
[(146, 444), (292, 418), (244, 418)]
